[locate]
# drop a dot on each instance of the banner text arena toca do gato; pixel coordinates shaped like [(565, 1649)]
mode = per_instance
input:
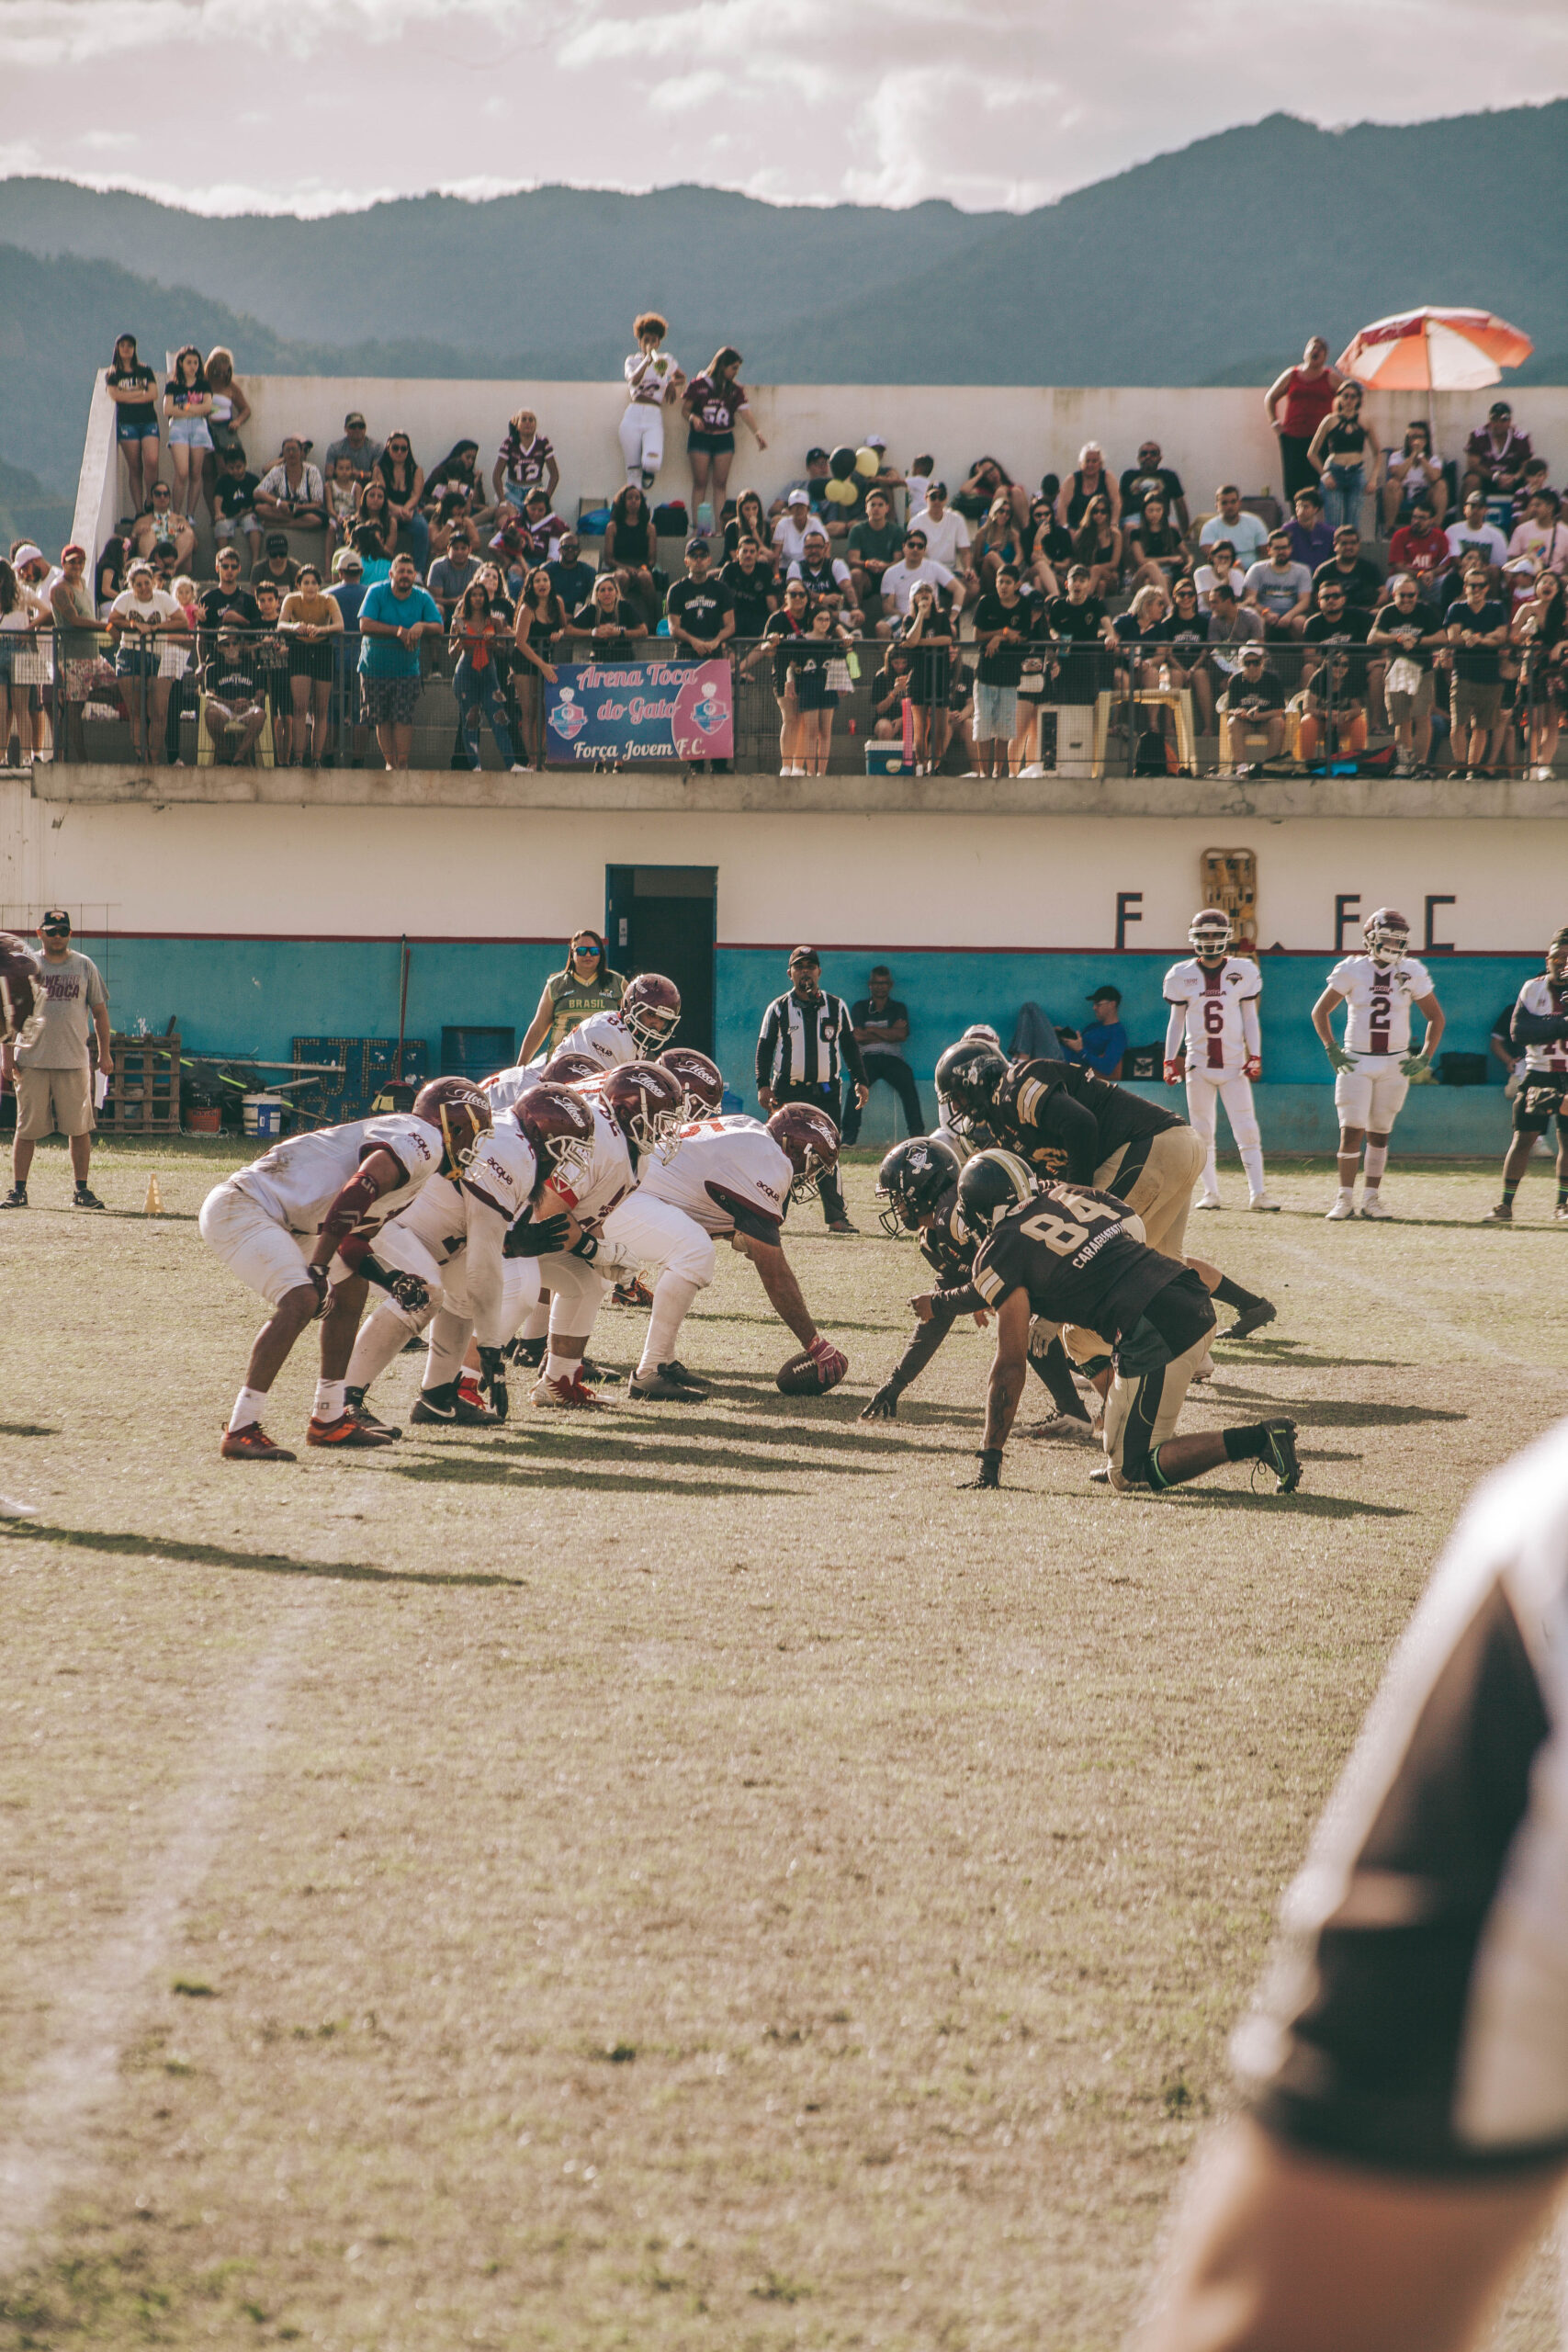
[(640, 710)]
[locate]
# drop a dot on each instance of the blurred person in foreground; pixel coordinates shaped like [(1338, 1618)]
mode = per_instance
[(1406, 2069)]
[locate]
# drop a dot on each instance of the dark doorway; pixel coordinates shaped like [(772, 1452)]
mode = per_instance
[(660, 919)]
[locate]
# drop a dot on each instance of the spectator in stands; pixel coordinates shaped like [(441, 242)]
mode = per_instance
[(1531, 482), (1156, 551), (1420, 546), (1143, 632), (473, 637), (1478, 630), (404, 477), (234, 517), (1474, 531), (375, 513), (1408, 632), (826, 577), (458, 470), (75, 642), (133, 388), (700, 608), (541, 530), (1333, 699), (525, 461), (539, 629), (1344, 452), (1091, 480), (226, 419), (900, 579), (347, 593), (1001, 631), (291, 496), (1542, 539), (1231, 628), (162, 520), (749, 580), (1312, 541), (1253, 704), (781, 645), (1189, 641), (1047, 548), (791, 526), (889, 691), (229, 605), (1098, 544), (712, 404), (344, 488), (819, 678), (1355, 572), (880, 1023), (986, 481), (818, 474), (1307, 392), (749, 517), (1539, 630), (1103, 1042), (452, 524), (269, 658), (928, 636), (1080, 624), (1151, 474), (1280, 589), (571, 579), (138, 622), (451, 576), (233, 710), (1338, 622), (396, 615), (1247, 534), (997, 542), (1496, 454), (609, 625), (1414, 471), (874, 545), (109, 571), (355, 445), (310, 621), (631, 552), (20, 613), (655, 378), (277, 564)]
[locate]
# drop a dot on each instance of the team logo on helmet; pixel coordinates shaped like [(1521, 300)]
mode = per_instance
[(460, 1109), (645, 1101), (1387, 934), (650, 1008), (701, 1081), (569, 1068), (809, 1141), (912, 1181), (1209, 936)]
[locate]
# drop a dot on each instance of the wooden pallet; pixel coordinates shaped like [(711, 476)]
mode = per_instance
[(145, 1088)]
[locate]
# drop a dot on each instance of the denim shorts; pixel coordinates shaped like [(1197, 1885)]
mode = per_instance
[(189, 433), (127, 426)]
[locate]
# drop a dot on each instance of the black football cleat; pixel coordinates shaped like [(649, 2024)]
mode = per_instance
[(664, 1387), (448, 1409), (530, 1353), (1282, 1456), (602, 1373), (84, 1197), (1250, 1320), (17, 1198), (354, 1402)]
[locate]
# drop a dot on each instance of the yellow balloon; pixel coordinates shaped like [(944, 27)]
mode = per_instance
[(842, 494), (867, 463)]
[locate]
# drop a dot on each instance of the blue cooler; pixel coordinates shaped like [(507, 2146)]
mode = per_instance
[(885, 759)]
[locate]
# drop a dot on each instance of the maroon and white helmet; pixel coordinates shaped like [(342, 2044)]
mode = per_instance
[(558, 1126), (462, 1113), (1209, 936), (650, 1008), (701, 1081), (644, 1100), (21, 991), (566, 1068), (808, 1141), (1387, 934)]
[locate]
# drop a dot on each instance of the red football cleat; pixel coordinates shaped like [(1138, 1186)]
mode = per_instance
[(571, 1396), (632, 1293), (348, 1430), (251, 1445)]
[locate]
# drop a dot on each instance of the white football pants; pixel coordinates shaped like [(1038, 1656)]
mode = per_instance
[(1206, 1089)]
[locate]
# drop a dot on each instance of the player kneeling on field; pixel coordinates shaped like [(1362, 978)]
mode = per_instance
[(1072, 1255), (334, 1189)]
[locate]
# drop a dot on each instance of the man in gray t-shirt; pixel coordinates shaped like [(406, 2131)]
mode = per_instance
[(53, 1075)]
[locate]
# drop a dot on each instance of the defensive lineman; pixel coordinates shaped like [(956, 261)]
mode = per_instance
[(1214, 1029), (1375, 1065), (1540, 1031)]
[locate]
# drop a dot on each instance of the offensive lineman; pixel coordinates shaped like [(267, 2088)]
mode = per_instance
[(648, 1016), (332, 1189), (1375, 1065), (1539, 1032), (1214, 1029)]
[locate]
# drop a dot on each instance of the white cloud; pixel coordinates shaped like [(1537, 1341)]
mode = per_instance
[(988, 103)]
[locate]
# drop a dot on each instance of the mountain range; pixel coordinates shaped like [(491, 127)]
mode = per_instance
[(1206, 265)]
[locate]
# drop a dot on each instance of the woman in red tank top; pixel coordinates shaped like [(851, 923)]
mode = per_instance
[(1307, 392)]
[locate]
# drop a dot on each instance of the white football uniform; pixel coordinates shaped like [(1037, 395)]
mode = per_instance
[(634, 1227), (606, 1036), (1214, 1014), (1548, 999), (504, 1089), (722, 1168), (254, 1221), (452, 1239), (1377, 1032)]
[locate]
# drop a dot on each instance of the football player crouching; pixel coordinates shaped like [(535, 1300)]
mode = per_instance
[(297, 1223), (646, 1020), (1374, 1066), (504, 1089), (1070, 1254), (443, 1264), (919, 1182), (736, 1178), (635, 1116)]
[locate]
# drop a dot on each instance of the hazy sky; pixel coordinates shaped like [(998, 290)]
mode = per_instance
[(308, 105)]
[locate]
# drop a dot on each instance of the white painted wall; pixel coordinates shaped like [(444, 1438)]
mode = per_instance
[(1209, 436), (931, 881)]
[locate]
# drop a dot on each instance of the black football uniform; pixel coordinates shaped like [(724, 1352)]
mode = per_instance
[(1068, 1122), (1071, 1250), (950, 1253)]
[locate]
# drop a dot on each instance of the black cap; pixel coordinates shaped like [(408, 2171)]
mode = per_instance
[(813, 455), (54, 919), (697, 547), (1095, 995), (278, 543)]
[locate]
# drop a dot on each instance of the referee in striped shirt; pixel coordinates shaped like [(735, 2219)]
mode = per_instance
[(806, 1039)]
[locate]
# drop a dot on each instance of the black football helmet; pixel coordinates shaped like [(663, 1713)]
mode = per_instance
[(992, 1184), (968, 1079), (913, 1180), (462, 1111)]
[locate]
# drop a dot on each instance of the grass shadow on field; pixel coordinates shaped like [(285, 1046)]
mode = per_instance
[(219, 1555), (27, 1429), (1307, 1506), (1344, 1413), (454, 1471), (1284, 1354), (697, 1315), (663, 1444)]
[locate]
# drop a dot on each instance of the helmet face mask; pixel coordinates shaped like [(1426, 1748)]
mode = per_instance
[(912, 1181), (993, 1183), (1209, 936), (650, 1008), (558, 1126), (967, 1076), (462, 1113), (1387, 934), (646, 1103), (809, 1141)]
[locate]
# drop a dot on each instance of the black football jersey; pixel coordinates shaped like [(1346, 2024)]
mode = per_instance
[(948, 1250), (1067, 1120), (1070, 1249)]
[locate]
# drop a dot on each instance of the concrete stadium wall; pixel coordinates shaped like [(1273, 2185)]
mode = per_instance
[(1208, 434)]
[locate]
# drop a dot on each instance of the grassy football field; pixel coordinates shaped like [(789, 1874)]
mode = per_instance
[(693, 1878)]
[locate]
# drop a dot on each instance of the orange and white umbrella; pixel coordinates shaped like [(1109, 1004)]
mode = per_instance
[(1434, 349)]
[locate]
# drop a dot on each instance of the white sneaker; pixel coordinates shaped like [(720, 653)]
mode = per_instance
[(1261, 1203), (1209, 1201), (1343, 1207), (1374, 1206)]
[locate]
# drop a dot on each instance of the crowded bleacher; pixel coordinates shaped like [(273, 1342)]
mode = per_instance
[(1396, 611)]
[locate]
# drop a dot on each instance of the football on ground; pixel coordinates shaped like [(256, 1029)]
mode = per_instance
[(677, 1876)]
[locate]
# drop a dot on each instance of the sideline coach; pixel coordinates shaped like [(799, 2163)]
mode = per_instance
[(806, 1039), (53, 1075)]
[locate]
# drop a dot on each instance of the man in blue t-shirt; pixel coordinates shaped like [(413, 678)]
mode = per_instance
[(1104, 1041), (396, 613)]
